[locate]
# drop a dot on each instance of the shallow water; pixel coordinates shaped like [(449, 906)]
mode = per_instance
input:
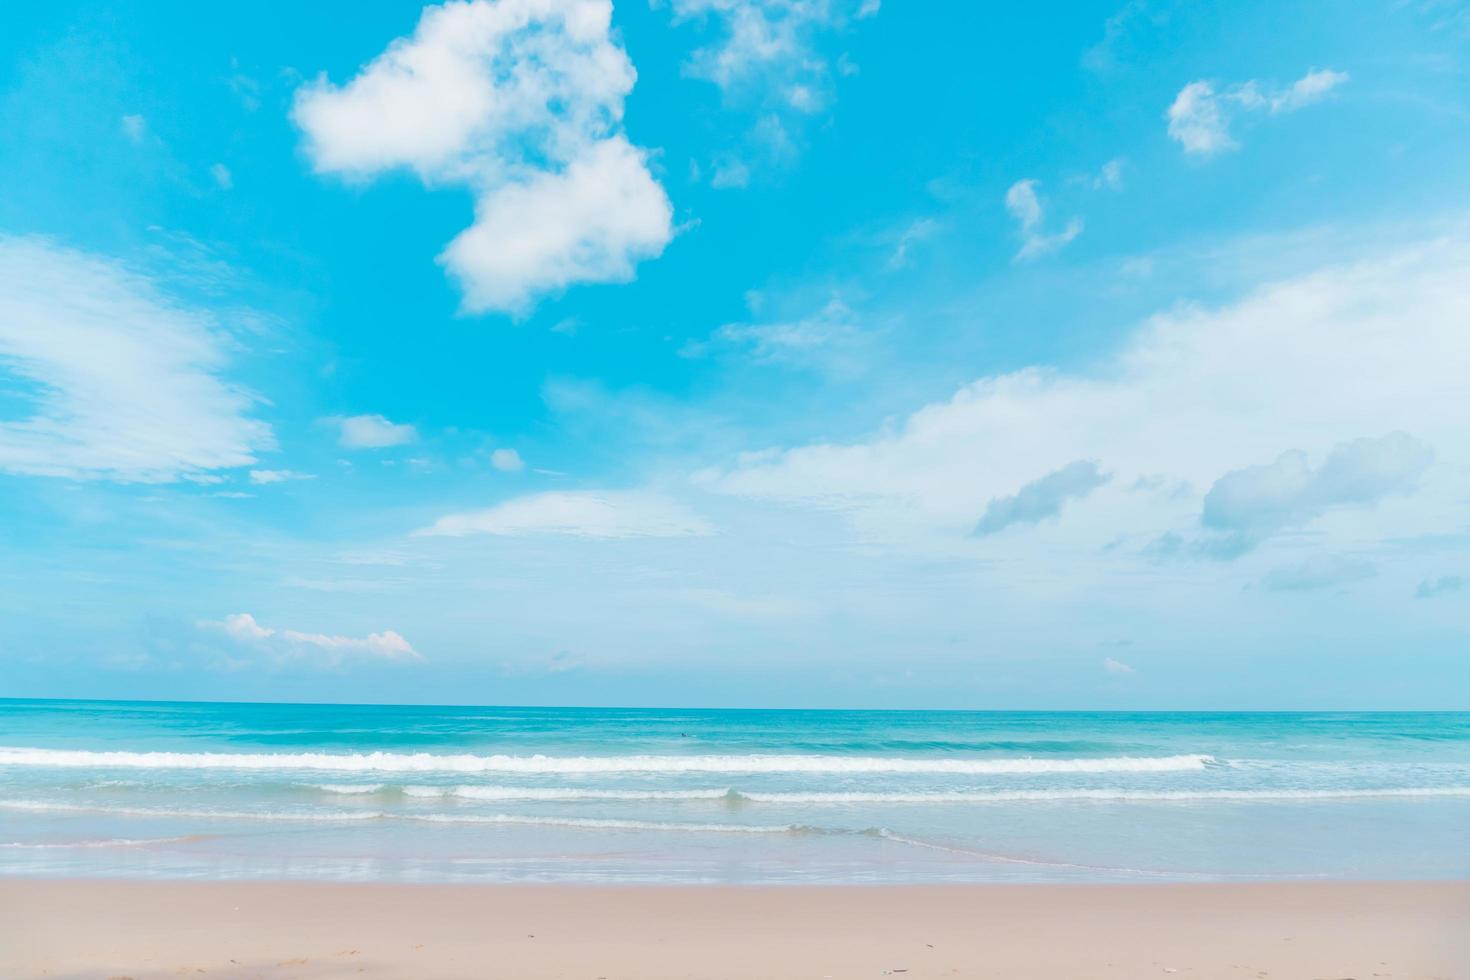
[(348, 792)]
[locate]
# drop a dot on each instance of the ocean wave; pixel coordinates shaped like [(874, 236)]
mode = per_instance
[(349, 789), (609, 823), (583, 823), (311, 816), (1103, 795), (427, 762), (574, 794), (560, 794), (107, 842)]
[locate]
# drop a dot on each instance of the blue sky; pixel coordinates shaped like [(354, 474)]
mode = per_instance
[(737, 352)]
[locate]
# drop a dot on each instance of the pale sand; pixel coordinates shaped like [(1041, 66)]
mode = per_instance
[(76, 929)]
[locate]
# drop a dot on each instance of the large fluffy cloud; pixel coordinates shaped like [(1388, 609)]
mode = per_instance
[(120, 380), (1308, 365), (522, 101)]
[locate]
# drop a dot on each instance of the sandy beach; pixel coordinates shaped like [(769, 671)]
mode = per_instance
[(141, 930)]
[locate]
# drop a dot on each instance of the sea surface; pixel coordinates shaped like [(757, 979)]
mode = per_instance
[(350, 792)]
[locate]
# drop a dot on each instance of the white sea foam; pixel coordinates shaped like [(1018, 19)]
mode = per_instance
[(572, 794), (1104, 795), (333, 816), (426, 762), (600, 823), (349, 789), (566, 793), (109, 842)]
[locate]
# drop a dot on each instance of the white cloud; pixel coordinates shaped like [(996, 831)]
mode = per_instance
[(1025, 206), (261, 477), (579, 513), (1196, 121), (222, 176), (1199, 117), (1312, 87), (1307, 363), (1117, 667), (522, 101), (134, 127), (507, 461), (373, 432), (293, 644), (123, 381)]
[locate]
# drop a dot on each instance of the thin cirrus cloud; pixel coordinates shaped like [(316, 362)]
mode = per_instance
[(263, 477), (121, 381), (767, 48), (1310, 360), (1025, 205), (330, 649), (766, 59), (1042, 498), (522, 102), (372, 432), (578, 513), (1199, 117)]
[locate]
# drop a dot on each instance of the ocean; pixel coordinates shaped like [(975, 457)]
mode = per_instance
[(465, 794)]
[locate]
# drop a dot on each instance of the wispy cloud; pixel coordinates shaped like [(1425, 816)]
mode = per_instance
[(1025, 205), (507, 461), (121, 381), (330, 649), (1200, 115), (579, 513), (262, 477), (373, 432)]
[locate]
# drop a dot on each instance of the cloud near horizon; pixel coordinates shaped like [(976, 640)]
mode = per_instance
[(333, 650), (521, 101)]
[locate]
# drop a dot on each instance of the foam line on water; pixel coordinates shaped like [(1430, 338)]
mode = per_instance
[(427, 762), (573, 794)]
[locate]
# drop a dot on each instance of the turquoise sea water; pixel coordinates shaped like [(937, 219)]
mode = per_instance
[(349, 792)]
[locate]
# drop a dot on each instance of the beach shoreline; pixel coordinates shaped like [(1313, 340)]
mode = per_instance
[(111, 928)]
